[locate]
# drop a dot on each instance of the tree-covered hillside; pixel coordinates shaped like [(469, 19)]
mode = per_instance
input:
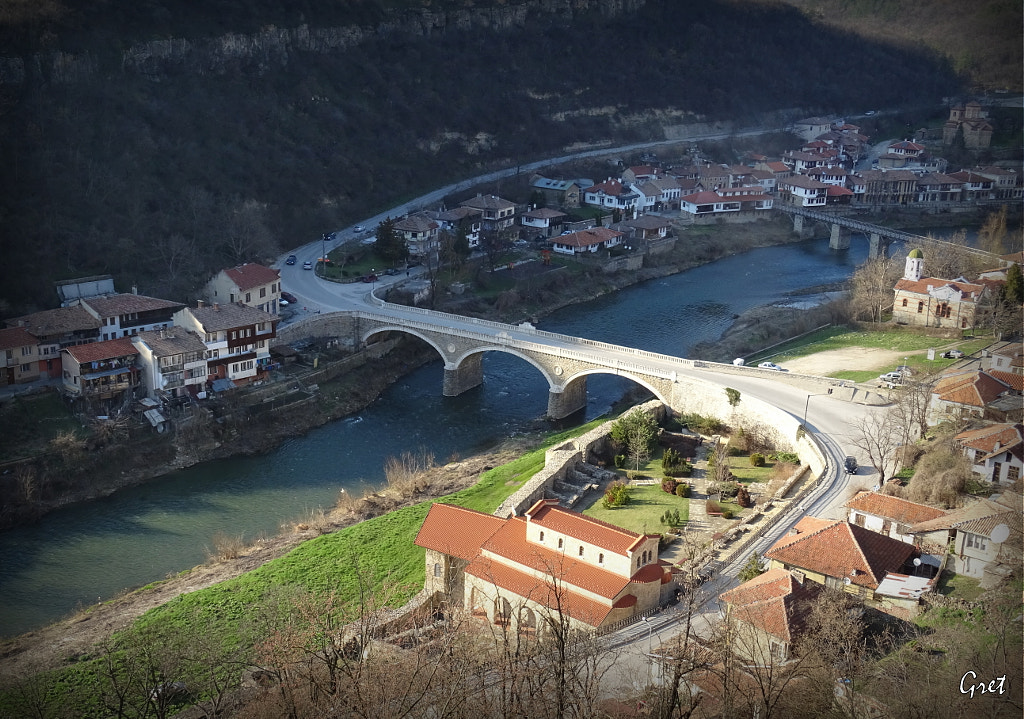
[(161, 162)]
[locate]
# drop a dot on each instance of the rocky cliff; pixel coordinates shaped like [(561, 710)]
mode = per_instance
[(274, 46)]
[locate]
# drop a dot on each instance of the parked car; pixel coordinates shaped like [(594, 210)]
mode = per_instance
[(370, 278), (289, 297), (953, 354), (771, 365), (891, 378), (292, 259), (851, 465), (307, 265), (359, 228)]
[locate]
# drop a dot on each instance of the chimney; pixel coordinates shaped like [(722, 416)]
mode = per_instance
[(216, 306), (135, 289), (794, 531), (200, 304)]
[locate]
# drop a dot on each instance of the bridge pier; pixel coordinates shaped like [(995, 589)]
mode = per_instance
[(840, 238), (877, 247), (469, 374), (569, 399), (804, 233)]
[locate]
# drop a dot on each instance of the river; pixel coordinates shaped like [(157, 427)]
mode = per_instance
[(83, 554)]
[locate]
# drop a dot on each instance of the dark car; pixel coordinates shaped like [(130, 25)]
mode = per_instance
[(289, 297), (370, 278), (851, 465), (292, 259)]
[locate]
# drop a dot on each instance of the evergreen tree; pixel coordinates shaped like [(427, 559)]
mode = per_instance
[(751, 569), (1014, 288), (390, 245)]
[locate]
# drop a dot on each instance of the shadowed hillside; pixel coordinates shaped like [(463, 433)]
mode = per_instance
[(159, 157)]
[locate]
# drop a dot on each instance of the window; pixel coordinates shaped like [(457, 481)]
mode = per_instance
[(976, 541), (542, 535), (581, 550), (263, 291), (25, 367), (248, 296), (600, 558), (904, 301), (559, 542), (1012, 474), (920, 306), (437, 569)]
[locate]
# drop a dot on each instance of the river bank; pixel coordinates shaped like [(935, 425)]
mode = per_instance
[(103, 471)]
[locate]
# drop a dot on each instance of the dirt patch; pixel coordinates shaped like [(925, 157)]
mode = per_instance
[(847, 359)]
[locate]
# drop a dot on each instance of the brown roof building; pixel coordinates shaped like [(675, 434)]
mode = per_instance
[(840, 555), (769, 613), (520, 570), (889, 515), (250, 284)]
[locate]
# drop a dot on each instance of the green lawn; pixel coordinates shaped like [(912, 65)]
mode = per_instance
[(959, 586), (746, 473), (647, 504)]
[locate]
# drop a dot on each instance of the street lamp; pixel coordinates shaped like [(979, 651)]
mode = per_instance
[(323, 255), (808, 402)]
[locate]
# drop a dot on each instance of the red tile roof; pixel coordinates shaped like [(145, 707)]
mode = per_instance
[(972, 388), (58, 321), (842, 550), (1016, 381), (894, 508), (97, 351), (14, 337), (593, 531), (251, 275), (968, 290), (509, 542), (457, 531), (985, 439), (587, 238), (774, 602)]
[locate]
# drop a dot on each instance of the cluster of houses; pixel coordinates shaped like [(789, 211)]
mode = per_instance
[(820, 173), (108, 347)]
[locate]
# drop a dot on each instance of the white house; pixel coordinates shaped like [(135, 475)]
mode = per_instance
[(583, 241), (123, 315), (888, 515), (420, 233), (251, 284), (173, 362), (542, 221), (613, 195), (996, 452), (803, 191), (237, 339)]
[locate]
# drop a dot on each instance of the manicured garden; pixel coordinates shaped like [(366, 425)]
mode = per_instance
[(647, 505)]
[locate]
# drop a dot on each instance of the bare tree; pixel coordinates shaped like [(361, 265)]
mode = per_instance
[(878, 435), (872, 287)]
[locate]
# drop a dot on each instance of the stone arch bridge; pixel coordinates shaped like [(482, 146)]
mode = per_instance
[(563, 360)]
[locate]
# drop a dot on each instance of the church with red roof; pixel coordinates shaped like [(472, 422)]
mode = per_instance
[(547, 564)]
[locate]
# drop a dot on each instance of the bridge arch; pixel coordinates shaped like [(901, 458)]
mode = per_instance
[(653, 388), (365, 336)]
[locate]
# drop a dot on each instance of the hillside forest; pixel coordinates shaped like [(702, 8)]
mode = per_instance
[(164, 141)]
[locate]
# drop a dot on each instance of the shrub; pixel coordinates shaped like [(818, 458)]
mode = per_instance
[(712, 507), (787, 457), (674, 463), (701, 424), (620, 461), (735, 451), (669, 485), (743, 497), (682, 489), (727, 513), (757, 459), (616, 495)]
